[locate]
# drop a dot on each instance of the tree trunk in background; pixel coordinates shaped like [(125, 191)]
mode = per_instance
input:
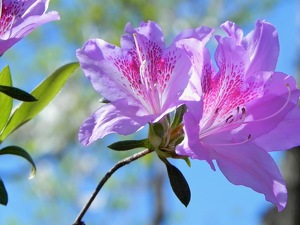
[(291, 173)]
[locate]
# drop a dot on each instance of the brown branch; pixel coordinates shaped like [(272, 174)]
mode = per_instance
[(117, 166)]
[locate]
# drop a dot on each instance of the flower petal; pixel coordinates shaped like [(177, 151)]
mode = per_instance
[(106, 120), (19, 18), (262, 46), (200, 60), (251, 166), (276, 115), (233, 31), (97, 61), (149, 31), (284, 136), (37, 7), (177, 74), (191, 145), (223, 91), (202, 33), (280, 132), (30, 23)]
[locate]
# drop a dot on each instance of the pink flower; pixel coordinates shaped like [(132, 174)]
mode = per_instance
[(143, 80), (246, 109), (19, 18)]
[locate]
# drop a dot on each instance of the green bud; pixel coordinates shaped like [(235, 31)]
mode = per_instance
[(155, 136)]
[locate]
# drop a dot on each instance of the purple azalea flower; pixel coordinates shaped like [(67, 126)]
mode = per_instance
[(19, 18), (143, 80), (246, 109)]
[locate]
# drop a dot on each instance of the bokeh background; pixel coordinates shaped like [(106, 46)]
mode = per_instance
[(138, 194)]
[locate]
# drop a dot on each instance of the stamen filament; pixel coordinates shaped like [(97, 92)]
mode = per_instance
[(277, 112), (231, 122), (150, 90), (236, 143), (137, 48)]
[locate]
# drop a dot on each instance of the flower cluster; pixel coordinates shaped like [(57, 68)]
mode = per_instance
[(234, 114)]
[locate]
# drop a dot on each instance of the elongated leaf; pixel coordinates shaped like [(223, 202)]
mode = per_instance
[(129, 144), (178, 184), (6, 102), (3, 194), (17, 93), (18, 151), (44, 92)]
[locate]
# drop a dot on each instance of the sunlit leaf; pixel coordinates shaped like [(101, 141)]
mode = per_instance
[(17, 93), (129, 144), (44, 92), (18, 151), (5, 101), (3, 194)]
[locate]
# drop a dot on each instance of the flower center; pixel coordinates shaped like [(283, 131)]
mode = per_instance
[(147, 90), (216, 123)]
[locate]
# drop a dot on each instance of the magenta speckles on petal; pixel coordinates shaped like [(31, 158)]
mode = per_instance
[(12, 11), (143, 73), (142, 79), (19, 18)]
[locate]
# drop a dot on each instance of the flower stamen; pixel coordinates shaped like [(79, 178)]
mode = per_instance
[(278, 111), (137, 48), (235, 143)]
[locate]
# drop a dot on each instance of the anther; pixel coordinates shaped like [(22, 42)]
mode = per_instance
[(217, 110), (229, 118), (243, 113)]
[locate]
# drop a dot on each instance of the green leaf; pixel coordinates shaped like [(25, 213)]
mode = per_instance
[(6, 102), (180, 111), (187, 161), (17, 93), (158, 129), (178, 183), (44, 92), (129, 144), (18, 151), (3, 194)]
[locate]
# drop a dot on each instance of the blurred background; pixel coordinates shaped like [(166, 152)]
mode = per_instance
[(139, 193)]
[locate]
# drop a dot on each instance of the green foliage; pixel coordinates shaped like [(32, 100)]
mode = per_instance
[(44, 92), (179, 116), (129, 145), (16, 150), (17, 93), (3, 194), (178, 183), (6, 102)]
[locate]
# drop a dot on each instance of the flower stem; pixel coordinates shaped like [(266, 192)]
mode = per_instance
[(117, 166)]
